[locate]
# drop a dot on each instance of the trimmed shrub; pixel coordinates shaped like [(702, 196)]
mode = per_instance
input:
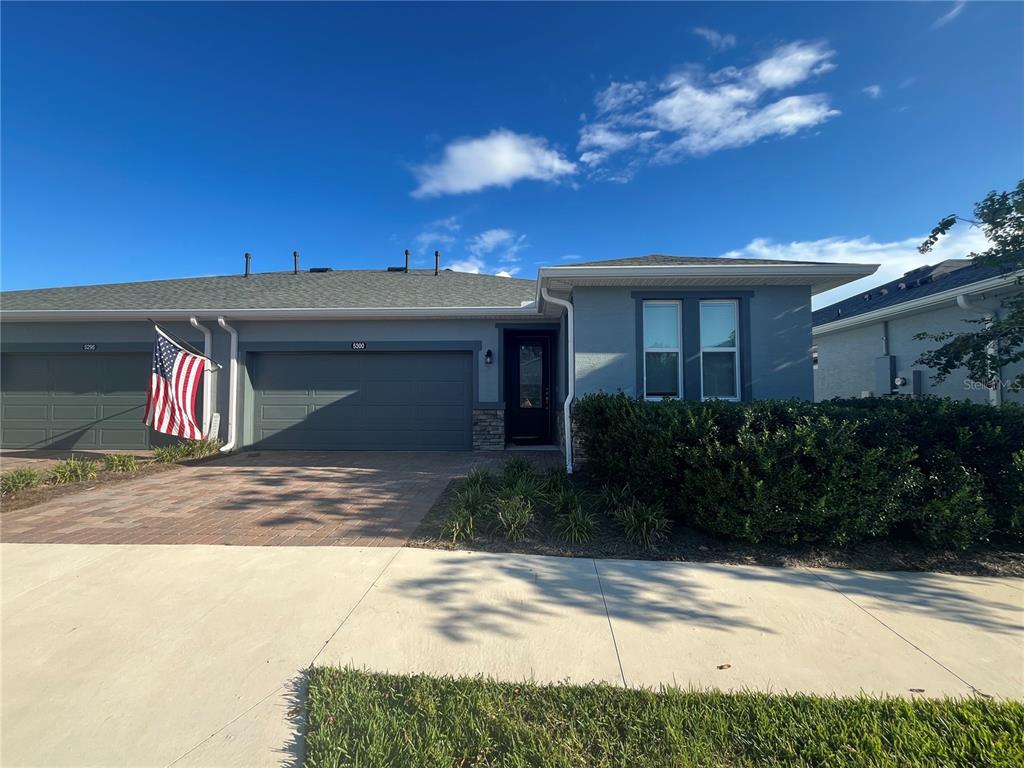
[(945, 473), (120, 462), (18, 480), (74, 470)]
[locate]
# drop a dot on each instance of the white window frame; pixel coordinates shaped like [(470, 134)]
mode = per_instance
[(735, 349), (678, 349)]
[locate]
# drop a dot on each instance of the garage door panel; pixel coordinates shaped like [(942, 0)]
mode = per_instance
[(74, 401), (384, 401)]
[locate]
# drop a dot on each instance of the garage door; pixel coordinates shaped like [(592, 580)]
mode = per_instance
[(85, 401), (363, 401)]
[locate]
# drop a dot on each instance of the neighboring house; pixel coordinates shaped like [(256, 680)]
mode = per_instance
[(409, 360), (865, 345)]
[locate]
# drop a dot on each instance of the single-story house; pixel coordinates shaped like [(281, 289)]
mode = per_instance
[(865, 345), (404, 359)]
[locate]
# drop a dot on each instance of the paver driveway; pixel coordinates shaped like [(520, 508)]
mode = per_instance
[(262, 498)]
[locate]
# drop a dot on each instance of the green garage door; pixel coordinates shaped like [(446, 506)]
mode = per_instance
[(81, 401), (363, 401)]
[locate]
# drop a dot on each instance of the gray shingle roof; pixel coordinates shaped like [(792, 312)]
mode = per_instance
[(660, 260), (921, 282), (284, 290)]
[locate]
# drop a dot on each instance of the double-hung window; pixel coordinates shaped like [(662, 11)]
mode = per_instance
[(719, 350), (662, 337)]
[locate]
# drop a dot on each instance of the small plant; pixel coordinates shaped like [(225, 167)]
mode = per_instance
[(555, 483), (514, 514), (120, 462), (186, 449), (613, 499), (73, 471), (573, 522), (479, 478), (644, 524), (515, 470), (18, 480), (459, 525)]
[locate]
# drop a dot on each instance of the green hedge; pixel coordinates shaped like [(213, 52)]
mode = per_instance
[(947, 473)]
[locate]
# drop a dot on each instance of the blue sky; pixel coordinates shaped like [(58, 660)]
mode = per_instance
[(147, 141)]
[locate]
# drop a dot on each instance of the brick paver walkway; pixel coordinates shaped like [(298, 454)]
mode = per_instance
[(265, 498)]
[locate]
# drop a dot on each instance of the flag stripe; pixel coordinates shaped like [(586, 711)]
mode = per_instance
[(171, 398)]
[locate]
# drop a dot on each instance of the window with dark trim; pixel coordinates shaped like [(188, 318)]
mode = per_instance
[(662, 347), (720, 349)]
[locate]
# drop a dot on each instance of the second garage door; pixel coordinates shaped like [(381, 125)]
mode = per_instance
[(363, 401)]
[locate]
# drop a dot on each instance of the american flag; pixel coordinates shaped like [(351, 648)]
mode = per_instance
[(171, 400)]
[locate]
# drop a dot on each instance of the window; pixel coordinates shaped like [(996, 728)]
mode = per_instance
[(719, 350), (662, 333)]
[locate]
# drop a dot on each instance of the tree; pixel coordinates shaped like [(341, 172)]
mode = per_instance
[(998, 341)]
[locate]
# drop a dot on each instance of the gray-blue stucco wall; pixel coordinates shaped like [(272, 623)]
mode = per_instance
[(778, 340)]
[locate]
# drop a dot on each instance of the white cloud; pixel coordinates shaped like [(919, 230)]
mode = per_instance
[(873, 91), (896, 257), (950, 15), (468, 264), (692, 113), (438, 234), (493, 251), (619, 96), (717, 40), (499, 159), (793, 63)]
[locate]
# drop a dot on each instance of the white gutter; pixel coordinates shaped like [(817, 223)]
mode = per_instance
[(208, 351), (570, 372), (916, 305), (233, 384), (284, 313), (995, 394)]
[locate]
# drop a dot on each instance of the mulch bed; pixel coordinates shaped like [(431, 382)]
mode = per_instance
[(689, 545), (29, 497)]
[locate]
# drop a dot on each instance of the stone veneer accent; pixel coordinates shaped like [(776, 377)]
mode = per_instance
[(488, 429)]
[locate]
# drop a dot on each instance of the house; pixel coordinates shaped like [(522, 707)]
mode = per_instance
[(865, 345), (403, 359)]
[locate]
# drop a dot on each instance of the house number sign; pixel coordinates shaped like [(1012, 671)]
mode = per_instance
[(358, 345), (88, 347)]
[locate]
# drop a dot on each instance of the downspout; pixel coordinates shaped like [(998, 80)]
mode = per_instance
[(233, 384), (570, 373), (995, 394), (207, 388)]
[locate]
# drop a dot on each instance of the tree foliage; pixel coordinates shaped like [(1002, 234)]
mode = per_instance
[(997, 341)]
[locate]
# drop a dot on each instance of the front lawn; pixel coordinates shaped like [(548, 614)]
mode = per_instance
[(365, 719)]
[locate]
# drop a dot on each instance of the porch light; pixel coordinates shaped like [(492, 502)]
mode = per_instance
[(488, 357)]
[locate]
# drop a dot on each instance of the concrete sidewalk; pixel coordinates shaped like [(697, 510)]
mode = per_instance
[(193, 655)]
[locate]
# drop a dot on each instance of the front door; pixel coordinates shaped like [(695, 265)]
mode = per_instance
[(528, 406)]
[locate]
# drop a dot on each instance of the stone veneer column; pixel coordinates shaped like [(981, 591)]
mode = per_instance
[(488, 429)]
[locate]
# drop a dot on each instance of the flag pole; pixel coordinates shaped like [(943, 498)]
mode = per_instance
[(181, 342)]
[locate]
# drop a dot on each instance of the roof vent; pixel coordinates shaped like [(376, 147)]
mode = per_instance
[(884, 291), (902, 286), (867, 297), (321, 269), (248, 264), (295, 258), (925, 279)]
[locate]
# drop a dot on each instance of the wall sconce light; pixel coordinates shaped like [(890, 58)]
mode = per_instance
[(488, 357)]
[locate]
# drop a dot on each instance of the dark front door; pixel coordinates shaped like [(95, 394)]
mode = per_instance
[(528, 406)]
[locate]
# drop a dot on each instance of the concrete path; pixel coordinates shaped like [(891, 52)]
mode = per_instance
[(194, 655)]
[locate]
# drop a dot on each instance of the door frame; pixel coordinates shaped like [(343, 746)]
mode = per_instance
[(509, 340)]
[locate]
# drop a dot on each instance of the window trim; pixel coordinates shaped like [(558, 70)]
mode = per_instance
[(735, 349), (678, 349)]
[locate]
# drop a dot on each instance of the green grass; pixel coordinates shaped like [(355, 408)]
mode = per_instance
[(363, 719)]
